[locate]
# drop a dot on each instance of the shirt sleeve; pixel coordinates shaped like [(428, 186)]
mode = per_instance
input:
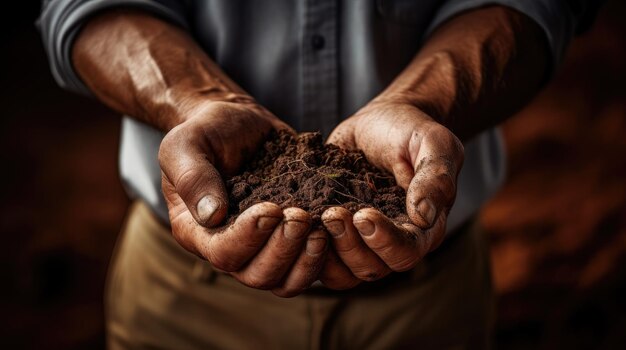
[(61, 20), (559, 19)]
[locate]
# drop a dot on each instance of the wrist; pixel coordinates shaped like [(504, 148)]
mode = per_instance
[(428, 86), (475, 70), (186, 105), (433, 110)]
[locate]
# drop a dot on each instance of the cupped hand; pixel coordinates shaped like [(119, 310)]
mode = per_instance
[(425, 158), (265, 247)]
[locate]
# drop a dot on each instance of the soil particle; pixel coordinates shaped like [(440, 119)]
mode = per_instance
[(301, 171)]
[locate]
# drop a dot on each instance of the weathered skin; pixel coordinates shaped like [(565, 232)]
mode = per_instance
[(474, 71)]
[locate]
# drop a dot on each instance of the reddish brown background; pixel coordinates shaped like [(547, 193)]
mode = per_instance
[(557, 229)]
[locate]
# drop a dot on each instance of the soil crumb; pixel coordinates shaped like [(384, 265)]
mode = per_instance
[(301, 171)]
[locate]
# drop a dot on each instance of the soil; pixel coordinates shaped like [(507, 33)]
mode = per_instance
[(301, 171)]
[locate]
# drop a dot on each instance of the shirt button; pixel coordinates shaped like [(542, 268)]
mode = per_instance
[(317, 41)]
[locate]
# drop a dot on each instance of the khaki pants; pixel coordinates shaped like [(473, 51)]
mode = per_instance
[(160, 296)]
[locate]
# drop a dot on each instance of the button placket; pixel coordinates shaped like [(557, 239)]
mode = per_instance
[(317, 42), (319, 66)]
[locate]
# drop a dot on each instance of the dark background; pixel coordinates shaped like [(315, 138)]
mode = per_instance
[(557, 229)]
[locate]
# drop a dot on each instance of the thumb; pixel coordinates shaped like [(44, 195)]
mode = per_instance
[(187, 166), (432, 190), (343, 135)]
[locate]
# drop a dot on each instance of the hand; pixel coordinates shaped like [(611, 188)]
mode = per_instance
[(265, 247), (425, 158)]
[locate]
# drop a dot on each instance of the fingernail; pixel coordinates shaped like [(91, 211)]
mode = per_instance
[(365, 227), (206, 207), (426, 209), (335, 227), (294, 229), (315, 246), (267, 222)]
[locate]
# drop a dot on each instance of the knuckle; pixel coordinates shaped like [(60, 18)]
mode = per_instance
[(187, 181), (258, 281), (445, 140), (346, 249), (432, 238), (404, 264), (223, 265), (316, 248), (446, 184), (170, 142), (438, 133), (449, 138), (164, 152), (439, 175), (283, 255), (400, 256), (384, 242), (456, 147), (252, 238), (317, 234), (369, 274), (435, 241), (455, 144), (286, 292), (220, 260)]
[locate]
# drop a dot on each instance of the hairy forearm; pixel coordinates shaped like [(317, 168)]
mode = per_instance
[(475, 70), (149, 69)]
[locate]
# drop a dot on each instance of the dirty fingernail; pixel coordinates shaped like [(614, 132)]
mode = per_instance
[(365, 227), (335, 227), (267, 222), (206, 207), (294, 229), (315, 246), (426, 209)]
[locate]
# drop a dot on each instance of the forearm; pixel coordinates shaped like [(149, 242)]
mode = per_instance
[(475, 70), (149, 69)]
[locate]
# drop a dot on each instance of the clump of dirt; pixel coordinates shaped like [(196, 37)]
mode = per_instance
[(301, 171)]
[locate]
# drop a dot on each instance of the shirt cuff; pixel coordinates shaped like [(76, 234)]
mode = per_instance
[(61, 21), (553, 16)]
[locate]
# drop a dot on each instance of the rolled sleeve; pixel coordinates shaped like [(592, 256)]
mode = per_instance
[(559, 19), (61, 20)]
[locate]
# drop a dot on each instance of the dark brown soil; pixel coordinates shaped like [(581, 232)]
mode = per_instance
[(301, 171)]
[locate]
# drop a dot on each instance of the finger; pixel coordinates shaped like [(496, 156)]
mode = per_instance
[(433, 188), (401, 247), (231, 248), (403, 173), (342, 135), (306, 269), (436, 234), (267, 268), (186, 162), (431, 238), (336, 275), (350, 248), (278, 124), (182, 222)]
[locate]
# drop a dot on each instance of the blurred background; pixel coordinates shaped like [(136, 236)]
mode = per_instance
[(557, 229)]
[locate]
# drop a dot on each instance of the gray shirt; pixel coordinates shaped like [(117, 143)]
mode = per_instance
[(311, 62)]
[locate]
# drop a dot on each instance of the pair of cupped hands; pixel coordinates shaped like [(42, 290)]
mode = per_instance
[(276, 249)]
